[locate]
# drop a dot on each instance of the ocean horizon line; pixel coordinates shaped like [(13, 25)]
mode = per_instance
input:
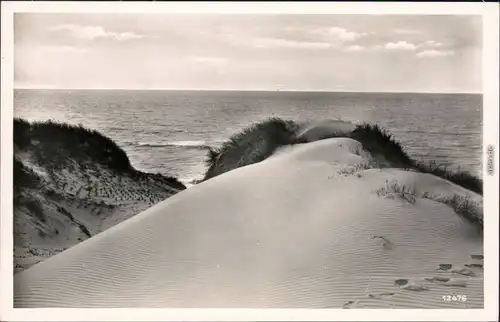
[(246, 90)]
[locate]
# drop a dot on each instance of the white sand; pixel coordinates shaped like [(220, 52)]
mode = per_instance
[(317, 130), (297, 230)]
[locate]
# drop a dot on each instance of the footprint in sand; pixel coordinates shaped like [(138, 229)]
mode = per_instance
[(415, 287), (444, 281), (404, 284), (437, 279), (474, 265), (454, 283), (349, 304), (386, 244), (401, 282), (445, 267), (464, 271), (381, 295), (477, 256)]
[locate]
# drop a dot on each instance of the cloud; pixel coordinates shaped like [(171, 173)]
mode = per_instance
[(432, 53), (345, 35), (94, 32), (431, 43), (426, 48), (341, 34), (355, 48), (400, 45), (285, 43)]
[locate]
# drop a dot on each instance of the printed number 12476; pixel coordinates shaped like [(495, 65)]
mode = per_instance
[(454, 298)]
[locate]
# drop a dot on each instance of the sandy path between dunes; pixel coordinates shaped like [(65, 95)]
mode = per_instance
[(291, 231)]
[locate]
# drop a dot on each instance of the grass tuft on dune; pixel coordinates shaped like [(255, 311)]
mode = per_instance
[(394, 189), (70, 141), (55, 143), (260, 140), (463, 206), (466, 208), (460, 177), (253, 144), (381, 144)]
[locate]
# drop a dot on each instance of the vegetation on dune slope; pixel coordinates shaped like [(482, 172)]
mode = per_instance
[(466, 208), (381, 144), (55, 144), (260, 140), (24, 177), (460, 177), (61, 141), (251, 145)]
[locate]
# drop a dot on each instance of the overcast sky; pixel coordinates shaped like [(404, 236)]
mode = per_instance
[(294, 52)]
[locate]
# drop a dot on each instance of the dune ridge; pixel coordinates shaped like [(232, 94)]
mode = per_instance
[(331, 223), (260, 140), (71, 183)]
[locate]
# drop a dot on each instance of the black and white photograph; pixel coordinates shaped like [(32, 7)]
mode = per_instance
[(251, 159)]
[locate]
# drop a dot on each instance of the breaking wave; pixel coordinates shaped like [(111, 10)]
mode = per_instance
[(183, 144)]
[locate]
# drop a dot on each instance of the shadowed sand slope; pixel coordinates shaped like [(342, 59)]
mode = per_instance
[(316, 225)]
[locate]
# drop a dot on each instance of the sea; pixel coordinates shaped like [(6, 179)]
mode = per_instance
[(168, 131)]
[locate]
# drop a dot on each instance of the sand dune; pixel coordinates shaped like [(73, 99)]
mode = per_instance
[(65, 193), (314, 226)]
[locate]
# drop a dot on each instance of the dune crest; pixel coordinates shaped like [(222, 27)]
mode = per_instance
[(316, 225), (314, 131)]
